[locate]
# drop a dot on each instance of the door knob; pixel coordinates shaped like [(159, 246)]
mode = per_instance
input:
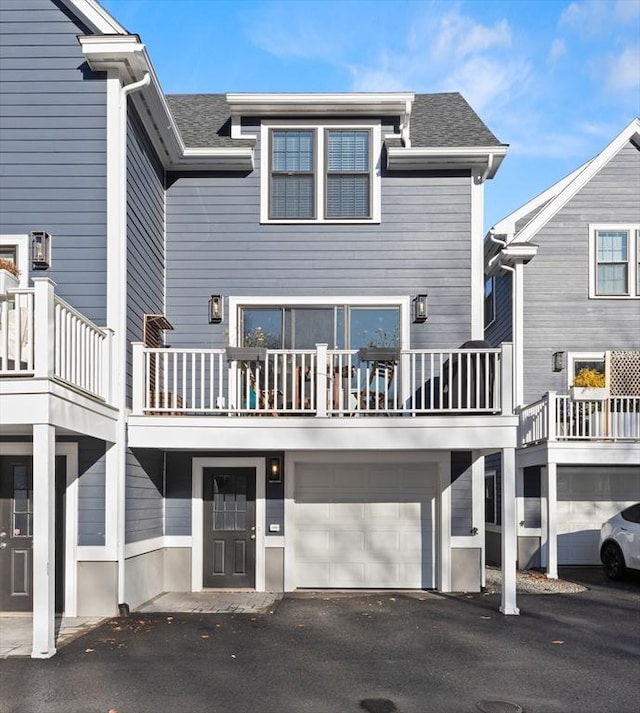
[(3, 534), (3, 545), (252, 537)]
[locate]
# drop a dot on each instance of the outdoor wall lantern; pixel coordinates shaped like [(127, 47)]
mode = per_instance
[(40, 250), (215, 309), (420, 309), (275, 469), (558, 361)]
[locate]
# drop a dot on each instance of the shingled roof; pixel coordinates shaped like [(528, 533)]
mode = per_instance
[(437, 120)]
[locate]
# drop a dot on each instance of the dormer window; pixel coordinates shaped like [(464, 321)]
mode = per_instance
[(325, 173)]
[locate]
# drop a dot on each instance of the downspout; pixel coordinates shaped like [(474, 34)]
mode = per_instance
[(122, 333)]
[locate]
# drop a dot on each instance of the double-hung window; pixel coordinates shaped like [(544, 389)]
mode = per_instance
[(320, 173), (614, 261)]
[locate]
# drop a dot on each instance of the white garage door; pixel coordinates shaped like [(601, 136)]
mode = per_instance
[(364, 526), (585, 500)]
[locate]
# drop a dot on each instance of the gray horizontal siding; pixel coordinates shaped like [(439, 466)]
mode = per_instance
[(52, 147), (144, 517), (178, 494), (559, 316), (91, 492), (461, 493), (501, 330), (215, 244), (145, 233)]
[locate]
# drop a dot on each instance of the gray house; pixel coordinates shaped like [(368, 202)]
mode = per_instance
[(245, 347), (563, 284)]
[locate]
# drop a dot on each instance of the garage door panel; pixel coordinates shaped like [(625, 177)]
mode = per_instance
[(372, 528), (586, 498)]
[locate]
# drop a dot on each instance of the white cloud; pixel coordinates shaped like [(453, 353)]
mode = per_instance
[(623, 70), (593, 17), (557, 50), (459, 36)]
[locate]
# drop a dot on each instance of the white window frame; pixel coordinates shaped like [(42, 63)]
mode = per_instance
[(633, 229), (573, 357), (492, 297), (320, 129), (21, 245)]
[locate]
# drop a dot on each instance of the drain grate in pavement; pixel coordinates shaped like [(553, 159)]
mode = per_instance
[(499, 707)]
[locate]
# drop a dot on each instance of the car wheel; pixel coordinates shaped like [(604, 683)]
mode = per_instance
[(613, 561)]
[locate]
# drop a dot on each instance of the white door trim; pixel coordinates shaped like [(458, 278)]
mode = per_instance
[(197, 513), (70, 451)]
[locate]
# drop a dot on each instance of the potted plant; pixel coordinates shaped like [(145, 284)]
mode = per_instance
[(9, 275), (589, 385)]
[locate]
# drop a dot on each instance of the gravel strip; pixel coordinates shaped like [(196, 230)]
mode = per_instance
[(530, 581)]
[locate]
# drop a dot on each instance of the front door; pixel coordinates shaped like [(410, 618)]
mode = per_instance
[(16, 533), (229, 548)]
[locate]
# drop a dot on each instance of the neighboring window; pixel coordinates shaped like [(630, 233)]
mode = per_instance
[(585, 360), (490, 504), (302, 327), (348, 174), (292, 175), (615, 261), (489, 300), (320, 173)]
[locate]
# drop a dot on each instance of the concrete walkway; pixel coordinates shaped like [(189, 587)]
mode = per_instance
[(16, 631), (209, 602)]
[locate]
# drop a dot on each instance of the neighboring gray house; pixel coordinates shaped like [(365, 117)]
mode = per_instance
[(322, 412), (563, 284)]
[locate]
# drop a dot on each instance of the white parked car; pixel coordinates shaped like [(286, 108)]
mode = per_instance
[(620, 542)]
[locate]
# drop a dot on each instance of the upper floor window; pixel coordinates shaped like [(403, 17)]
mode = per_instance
[(614, 269), (489, 300), (320, 173)]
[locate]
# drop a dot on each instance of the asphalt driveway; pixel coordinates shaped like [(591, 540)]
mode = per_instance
[(331, 653)]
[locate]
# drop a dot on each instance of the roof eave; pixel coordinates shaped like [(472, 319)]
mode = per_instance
[(485, 160), (127, 56), (320, 104)]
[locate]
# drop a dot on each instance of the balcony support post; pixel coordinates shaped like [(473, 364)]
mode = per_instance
[(509, 532), (44, 328), (552, 524), (138, 378), (321, 380), (506, 378)]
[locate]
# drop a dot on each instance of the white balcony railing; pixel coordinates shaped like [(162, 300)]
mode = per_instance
[(44, 337), (320, 382), (560, 418)]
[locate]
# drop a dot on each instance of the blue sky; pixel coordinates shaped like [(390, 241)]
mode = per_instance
[(556, 80)]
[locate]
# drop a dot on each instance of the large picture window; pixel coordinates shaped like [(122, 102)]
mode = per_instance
[(321, 173), (614, 261)]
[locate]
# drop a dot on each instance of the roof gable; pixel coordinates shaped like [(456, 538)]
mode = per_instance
[(573, 183)]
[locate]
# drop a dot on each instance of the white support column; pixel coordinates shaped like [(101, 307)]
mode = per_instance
[(552, 525), (321, 380), (509, 532), (138, 378), (444, 525), (44, 549)]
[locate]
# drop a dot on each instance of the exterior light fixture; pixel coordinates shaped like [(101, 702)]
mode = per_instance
[(420, 309), (215, 309), (275, 470), (40, 250), (558, 363)]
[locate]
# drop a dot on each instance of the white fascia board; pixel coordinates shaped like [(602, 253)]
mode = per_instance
[(325, 104), (95, 16), (442, 157), (128, 56), (507, 226), (631, 132)]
